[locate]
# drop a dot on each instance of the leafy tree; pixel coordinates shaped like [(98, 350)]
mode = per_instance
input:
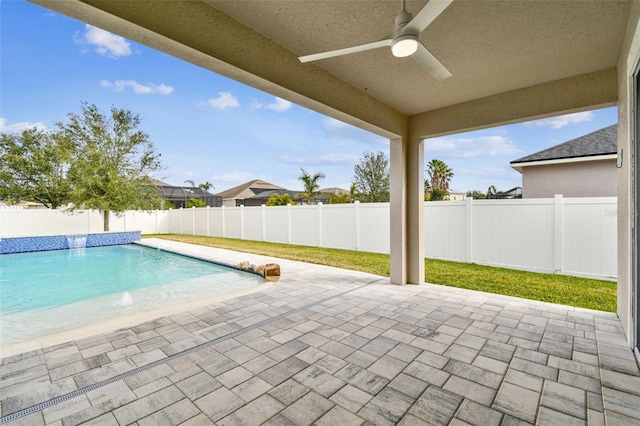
[(311, 185), (437, 195), (195, 202), (280, 200), (114, 159), (33, 167), (439, 175), (341, 198), (371, 177), (476, 195), (353, 192)]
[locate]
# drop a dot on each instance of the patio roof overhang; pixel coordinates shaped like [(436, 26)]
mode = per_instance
[(510, 61)]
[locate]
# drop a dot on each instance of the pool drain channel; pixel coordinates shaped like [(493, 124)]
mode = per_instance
[(41, 406)]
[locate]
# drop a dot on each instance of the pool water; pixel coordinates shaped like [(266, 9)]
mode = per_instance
[(45, 292)]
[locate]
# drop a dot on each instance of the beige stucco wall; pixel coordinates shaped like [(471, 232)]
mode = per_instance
[(579, 179)]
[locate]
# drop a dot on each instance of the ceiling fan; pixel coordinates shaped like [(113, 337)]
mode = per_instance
[(404, 41)]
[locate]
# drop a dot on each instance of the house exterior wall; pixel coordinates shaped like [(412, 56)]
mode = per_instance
[(629, 60), (579, 179)]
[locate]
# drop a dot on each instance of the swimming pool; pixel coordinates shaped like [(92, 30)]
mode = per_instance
[(46, 292)]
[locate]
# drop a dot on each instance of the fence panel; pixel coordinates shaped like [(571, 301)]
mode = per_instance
[(233, 222), (445, 235), (575, 236), (339, 226), (514, 233), (199, 217), (305, 225), (374, 232), (253, 223), (588, 245), (277, 224)]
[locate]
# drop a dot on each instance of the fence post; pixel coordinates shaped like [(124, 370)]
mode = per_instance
[(224, 225), (319, 207), (356, 211), (557, 233), (242, 222), (181, 219), (193, 220), (288, 223), (468, 211), (264, 223), (156, 222), (207, 221)]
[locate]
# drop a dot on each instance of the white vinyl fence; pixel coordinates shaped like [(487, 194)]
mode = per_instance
[(574, 236)]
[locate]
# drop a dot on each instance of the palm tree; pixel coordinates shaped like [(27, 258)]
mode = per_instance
[(311, 185), (191, 182), (439, 175), (206, 186)]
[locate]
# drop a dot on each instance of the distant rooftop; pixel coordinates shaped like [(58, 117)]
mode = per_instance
[(600, 142), (249, 189)]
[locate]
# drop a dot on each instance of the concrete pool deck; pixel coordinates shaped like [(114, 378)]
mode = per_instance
[(334, 347)]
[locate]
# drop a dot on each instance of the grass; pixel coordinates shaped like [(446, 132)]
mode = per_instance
[(562, 289)]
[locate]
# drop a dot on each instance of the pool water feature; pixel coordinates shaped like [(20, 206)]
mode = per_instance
[(48, 292)]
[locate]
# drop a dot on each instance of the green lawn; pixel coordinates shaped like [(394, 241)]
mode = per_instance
[(581, 292)]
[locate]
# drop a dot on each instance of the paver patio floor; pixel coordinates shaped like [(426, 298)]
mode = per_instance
[(333, 347)]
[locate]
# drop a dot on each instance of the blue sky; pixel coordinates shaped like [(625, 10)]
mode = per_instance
[(210, 128)]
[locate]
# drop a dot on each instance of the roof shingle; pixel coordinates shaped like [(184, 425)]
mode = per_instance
[(600, 142)]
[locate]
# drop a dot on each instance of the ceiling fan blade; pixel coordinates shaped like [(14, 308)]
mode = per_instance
[(430, 63), (431, 11), (345, 51)]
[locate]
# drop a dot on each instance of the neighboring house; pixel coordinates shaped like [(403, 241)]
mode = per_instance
[(582, 167), (257, 193), (180, 195), (237, 195), (457, 195)]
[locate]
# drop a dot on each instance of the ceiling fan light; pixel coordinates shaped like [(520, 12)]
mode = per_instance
[(405, 45)]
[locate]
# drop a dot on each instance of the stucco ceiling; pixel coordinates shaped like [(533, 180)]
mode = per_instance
[(490, 46)]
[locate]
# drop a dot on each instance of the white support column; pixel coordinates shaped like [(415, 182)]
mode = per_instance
[(407, 211)]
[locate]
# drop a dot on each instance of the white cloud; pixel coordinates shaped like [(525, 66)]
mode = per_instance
[(562, 120), (452, 147), (103, 42), (322, 160), (19, 127), (223, 101), (279, 105), (138, 89)]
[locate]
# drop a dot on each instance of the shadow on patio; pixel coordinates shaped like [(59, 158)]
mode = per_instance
[(335, 347)]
